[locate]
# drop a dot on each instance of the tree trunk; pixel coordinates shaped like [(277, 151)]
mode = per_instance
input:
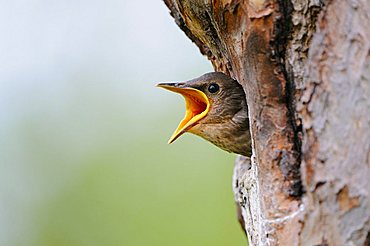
[(305, 68)]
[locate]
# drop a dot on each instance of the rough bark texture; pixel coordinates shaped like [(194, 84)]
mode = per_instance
[(335, 108), (305, 68)]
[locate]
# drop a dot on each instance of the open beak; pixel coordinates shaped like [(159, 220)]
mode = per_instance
[(197, 107)]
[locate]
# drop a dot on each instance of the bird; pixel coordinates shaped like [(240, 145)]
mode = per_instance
[(216, 110)]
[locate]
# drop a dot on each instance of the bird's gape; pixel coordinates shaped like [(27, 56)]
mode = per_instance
[(226, 124)]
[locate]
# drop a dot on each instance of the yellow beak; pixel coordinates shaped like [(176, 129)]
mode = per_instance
[(197, 107)]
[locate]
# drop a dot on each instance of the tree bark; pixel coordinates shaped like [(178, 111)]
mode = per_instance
[(305, 69)]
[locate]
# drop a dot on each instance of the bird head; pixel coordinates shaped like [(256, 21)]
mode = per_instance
[(211, 100)]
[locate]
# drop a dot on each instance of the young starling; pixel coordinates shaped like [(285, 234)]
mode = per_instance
[(216, 110)]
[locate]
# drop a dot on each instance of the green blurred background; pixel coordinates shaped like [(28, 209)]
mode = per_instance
[(83, 130)]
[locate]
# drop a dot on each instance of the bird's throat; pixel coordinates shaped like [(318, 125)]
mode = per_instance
[(197, 107)]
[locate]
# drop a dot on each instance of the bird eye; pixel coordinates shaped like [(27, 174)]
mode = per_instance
[(213, 88)]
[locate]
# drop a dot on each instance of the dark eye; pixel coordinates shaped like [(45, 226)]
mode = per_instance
[(213, 88)]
